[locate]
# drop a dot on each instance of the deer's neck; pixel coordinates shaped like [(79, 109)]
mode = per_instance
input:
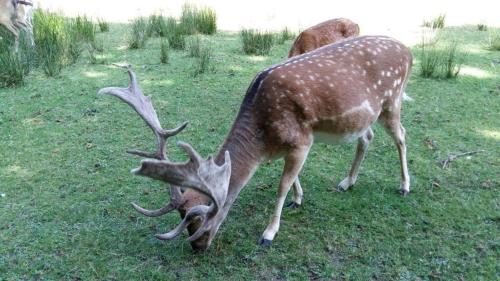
[(245, 146)]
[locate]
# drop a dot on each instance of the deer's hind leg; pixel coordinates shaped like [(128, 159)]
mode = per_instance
[(392, 124), (363, 143), (297, 195)]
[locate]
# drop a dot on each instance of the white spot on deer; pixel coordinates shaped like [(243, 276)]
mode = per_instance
[(364, 106), (297, 75), (368, 63), (364, 72), (388, 93), (361, 53), (368, 89), (331, 85), (320, 65), (283, 76), (312, 78), (389, 74), (382, 73), (379, 82)]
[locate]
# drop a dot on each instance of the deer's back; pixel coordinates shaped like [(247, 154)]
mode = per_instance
[(337, 89)]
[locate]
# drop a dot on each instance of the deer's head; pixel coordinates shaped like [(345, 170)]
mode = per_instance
[(198, 187)]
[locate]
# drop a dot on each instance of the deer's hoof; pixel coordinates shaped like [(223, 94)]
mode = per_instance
[(344, 185), (404, 192), (265, 243), (293, 205)]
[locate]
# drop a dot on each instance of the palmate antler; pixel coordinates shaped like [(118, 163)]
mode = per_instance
[(200, 174), (133, 96)]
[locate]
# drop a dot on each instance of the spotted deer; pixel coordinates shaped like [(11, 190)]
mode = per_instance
[(333, 94), (324, 33)]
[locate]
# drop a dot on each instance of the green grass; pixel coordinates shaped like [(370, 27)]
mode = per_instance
[(138, 33), (257, 42), (196, 19), (494, 41), (65, 175), (284, 35), (436, 23), (103, 25), (164, 51), (50, 35)]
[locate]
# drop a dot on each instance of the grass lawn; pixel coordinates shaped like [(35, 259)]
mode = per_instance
[(65, 176)]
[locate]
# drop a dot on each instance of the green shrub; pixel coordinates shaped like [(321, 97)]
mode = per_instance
[(494, 41), (194, 46), (436, 23), (195, 19), (138, 36), (482, 27), (15, 66), (441, 61), (74, 47), (203, 62), (175, 34), (284, 35), (85, 28), (103, 25), (157, 26), (256, 42), (164, 51), (453, 60), (49, 30), (206, 21)]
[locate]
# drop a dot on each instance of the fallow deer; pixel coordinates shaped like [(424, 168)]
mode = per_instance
[(333, 94), (328, 32)]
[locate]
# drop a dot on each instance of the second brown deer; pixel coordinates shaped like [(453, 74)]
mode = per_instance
[(327, 32), (333, 94)]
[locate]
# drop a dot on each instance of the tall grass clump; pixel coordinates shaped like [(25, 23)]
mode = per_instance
[(49, 32), (195, 19), (453, 59), (164, 51), (256, 42), (14, 66), (436, 23), (175, 34), (103, 25), (85, 28), (203, 62), (482, 27), (284, 35), (441, 61), (206, 21), (157, 26), (138, 35), (194, 46), (429, 58), (494, 41), (74, 47)]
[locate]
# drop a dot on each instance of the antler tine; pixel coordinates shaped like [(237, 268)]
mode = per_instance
[(133, 96), (156, 213), (175, 201), (192, 214)]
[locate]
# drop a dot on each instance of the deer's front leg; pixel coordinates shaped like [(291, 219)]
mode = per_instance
[(293, 164)]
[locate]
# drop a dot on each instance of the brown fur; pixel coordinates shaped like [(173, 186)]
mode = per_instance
[(322, 34)]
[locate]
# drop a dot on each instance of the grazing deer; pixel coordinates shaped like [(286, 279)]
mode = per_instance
[(333, 94), (322, 34)]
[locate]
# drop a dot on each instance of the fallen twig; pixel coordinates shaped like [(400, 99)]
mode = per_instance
[(446, 162)]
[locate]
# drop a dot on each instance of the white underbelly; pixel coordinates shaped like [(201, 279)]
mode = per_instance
[(337, 138)]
